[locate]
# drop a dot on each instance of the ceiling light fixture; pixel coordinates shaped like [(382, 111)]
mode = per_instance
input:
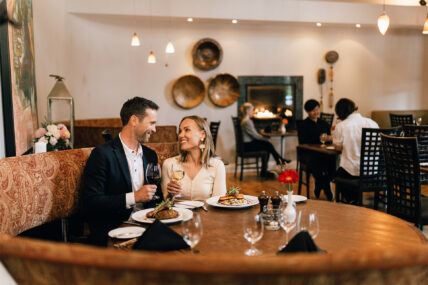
[(135, 41), (234, 21), (151, 58), (169, 48), (425, 30), (383, 21)]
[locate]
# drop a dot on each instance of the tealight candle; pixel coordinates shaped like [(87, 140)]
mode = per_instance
[(39, 147)]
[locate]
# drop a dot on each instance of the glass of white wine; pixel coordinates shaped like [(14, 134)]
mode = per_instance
[(177, 173), (323, 139)]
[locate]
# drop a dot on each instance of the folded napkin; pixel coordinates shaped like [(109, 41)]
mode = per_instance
[(159, 237), (302, 242)]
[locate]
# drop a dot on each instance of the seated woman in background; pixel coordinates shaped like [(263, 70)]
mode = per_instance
[(309, 133), (204, 176), (253, 141), (347, 138)]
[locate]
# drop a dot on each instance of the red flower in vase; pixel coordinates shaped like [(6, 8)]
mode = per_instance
[(288, 177), (284, 121)]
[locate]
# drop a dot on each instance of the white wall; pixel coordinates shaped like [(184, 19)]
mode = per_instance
[(102, 70)]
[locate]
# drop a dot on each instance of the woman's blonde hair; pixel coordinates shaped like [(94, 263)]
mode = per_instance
[(208, 151), (243, 109)]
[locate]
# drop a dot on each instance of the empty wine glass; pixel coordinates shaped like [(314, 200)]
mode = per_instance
[(153, 176), (308, 221), (287, 220), (323, 139), (253, 227), (192, 231)]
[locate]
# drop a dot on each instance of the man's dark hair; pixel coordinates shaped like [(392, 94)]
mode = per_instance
[(311, 104), (345, 107), (136, 106)]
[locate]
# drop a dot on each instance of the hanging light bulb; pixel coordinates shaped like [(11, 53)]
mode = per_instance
[(383, 23), (425, 30), (169, 48), (151, 58), (135, 42)]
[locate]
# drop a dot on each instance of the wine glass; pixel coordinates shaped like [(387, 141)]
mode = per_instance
[(153, 176), (323, 139), (287, 219), (192, 231), (308, 221), (177, 173), (419, 121), (253, 227)]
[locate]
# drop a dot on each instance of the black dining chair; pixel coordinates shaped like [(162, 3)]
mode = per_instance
[(214, 126), (403, 179), (372, 168), (302, 165), (327, 117), (243, 155), (398, 120), (421, 133)]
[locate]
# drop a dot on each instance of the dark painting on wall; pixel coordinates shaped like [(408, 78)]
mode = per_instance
[(17, 75)]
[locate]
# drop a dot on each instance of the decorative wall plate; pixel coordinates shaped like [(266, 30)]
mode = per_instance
[(207, 54), (223, 90), (331, 56), (188, 91)]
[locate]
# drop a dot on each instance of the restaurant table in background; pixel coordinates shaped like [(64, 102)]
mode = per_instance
[(342, 227), (308, 153), (282, 135)]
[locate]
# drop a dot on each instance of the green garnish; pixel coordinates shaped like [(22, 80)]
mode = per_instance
[(234, 190), (160, 204)]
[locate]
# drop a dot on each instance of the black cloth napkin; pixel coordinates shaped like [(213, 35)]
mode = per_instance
[(302, 242), (159, 237)]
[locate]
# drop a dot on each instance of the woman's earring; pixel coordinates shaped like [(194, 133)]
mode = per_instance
[(202, 145)]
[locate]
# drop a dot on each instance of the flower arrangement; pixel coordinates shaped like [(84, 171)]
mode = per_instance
[(57, 137), (288, 177), (285, 121)]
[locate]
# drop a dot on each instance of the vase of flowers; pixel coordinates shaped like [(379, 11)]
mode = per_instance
[(56, 137), (287, 178), (284, 122)]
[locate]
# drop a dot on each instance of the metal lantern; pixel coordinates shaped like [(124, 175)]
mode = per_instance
[(60, 93)]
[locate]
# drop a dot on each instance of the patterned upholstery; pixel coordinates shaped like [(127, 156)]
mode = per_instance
[(39, 188), (164, 150)]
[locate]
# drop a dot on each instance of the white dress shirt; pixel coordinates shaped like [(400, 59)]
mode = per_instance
[(210, 181), (136, 170), (348, 135)]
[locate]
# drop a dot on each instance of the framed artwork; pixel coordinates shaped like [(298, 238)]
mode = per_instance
[(17, 73)]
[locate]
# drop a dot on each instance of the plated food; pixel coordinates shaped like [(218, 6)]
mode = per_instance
[(233, 198), (163, 211)]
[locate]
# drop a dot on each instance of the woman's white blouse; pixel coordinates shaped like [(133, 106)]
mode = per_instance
[(208, 182)]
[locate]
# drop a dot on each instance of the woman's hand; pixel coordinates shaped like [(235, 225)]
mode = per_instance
[(174, 188)]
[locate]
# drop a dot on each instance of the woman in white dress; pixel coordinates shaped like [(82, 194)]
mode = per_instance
[(204, 175)]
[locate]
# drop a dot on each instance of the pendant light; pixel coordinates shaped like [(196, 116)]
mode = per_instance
[(383, 21), (135, 42), (169, 48), (151, 58)]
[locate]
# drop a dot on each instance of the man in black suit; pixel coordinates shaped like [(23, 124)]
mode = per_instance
[(113, 179)]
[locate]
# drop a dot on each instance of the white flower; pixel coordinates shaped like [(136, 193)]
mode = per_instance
[(53, 141), (57, 134), (51, 128), (48, 134)]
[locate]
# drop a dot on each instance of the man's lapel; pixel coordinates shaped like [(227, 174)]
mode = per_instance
[(121, 158)]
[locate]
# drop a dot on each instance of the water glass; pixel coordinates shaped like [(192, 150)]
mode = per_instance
[(287, 223), (253, 227), (192, 231), (308, 221)]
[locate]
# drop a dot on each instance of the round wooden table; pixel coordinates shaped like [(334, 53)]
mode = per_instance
[(342, 227)]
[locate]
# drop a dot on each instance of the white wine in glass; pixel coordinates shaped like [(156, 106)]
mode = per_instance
[(323, 139), (177, 174)]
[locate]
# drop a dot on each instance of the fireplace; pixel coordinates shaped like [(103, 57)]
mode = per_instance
[(274, 98)]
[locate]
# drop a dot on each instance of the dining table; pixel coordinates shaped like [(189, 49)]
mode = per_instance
[(281, 135), (342, 227)]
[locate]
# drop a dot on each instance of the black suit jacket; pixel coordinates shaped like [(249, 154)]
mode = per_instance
[(106, 180)]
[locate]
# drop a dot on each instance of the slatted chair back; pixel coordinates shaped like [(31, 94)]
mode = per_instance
[(398, 120), (403, 177), (214, 126), (239, 140), (327, 117)]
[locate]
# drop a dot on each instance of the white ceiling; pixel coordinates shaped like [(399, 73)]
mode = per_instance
[(380, 2)]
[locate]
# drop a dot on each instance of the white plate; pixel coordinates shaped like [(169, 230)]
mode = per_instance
[(252, 200), (183, 215), (126, 232), (188, 204), (424, 164), (296, 198), (330, 147)]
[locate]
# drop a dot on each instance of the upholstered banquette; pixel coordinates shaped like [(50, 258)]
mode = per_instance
[(38, 188)]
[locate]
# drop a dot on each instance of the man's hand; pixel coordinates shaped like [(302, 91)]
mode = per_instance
[(145, 193), (174, 187)]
